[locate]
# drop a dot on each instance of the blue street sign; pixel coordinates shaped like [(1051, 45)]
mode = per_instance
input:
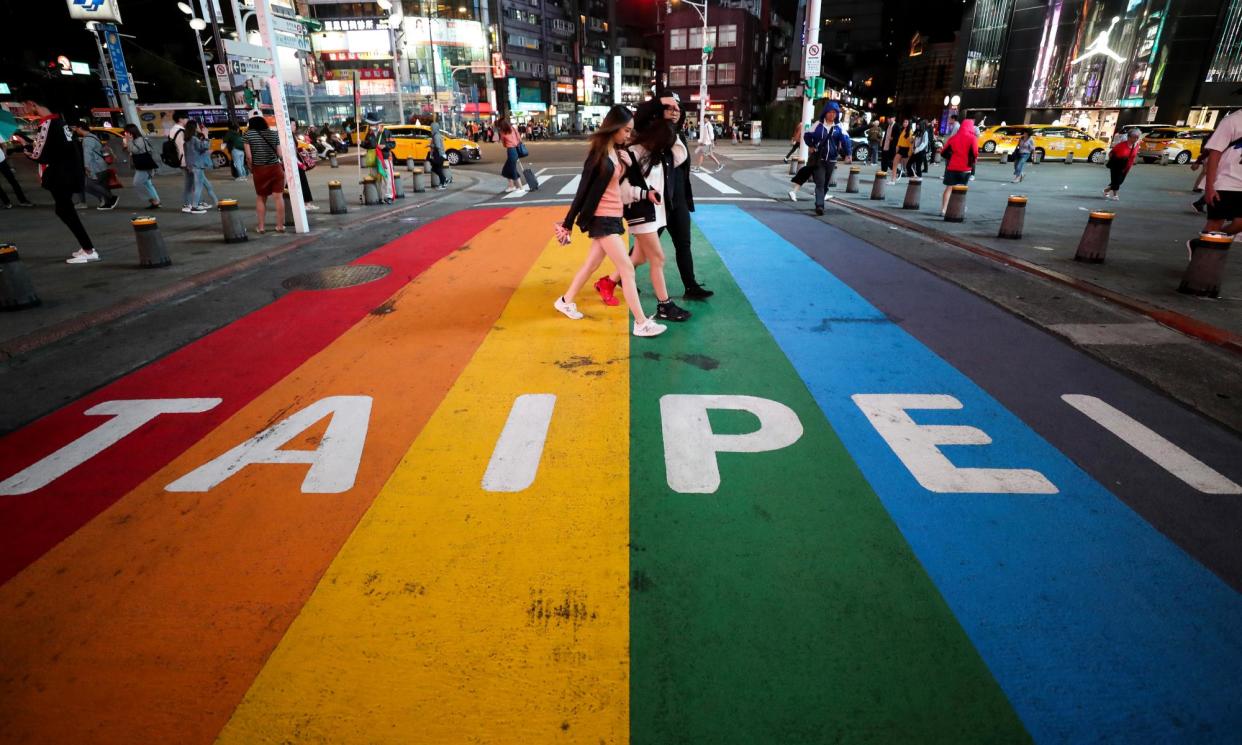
[(119, 71)]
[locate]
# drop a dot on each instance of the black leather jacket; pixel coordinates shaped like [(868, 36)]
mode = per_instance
[(594, 181)]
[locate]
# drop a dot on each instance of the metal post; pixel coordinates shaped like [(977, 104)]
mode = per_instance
[(276, 89), (306, 96), (211, 96), (808, 103), (222, 57), (396, 70), (104, 76), (703, 74), (435, 88), (239, 21), (487, 58)]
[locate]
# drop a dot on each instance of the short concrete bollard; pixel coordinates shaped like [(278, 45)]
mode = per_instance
[(1069, 158), (914, 190), (332, 162), (288, 208), (1094, 242), (370, 193), (16, 289), (409, 163), (448, 173), (152, 252), (416, 181), (1164, 158), (398, 187), (877, 186), (851, 184), (1004, 158), (336, 199), (433, 179), (957, 204), (794, 165), (231, 222), (1015, 215), (1206, 269)]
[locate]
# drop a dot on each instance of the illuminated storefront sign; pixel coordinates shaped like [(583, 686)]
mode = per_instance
[(1099, 54)]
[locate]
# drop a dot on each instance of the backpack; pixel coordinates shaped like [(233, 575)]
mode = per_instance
[(169, 153)]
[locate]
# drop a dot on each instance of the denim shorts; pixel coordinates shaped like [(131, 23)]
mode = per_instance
[(605, 226)]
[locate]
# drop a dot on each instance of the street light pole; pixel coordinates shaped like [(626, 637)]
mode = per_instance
[(198, 24), (701, 9)]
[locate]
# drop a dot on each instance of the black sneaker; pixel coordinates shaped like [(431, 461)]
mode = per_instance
[(668, 311), (110, 204), (819, 210), (1199, 205), (697, 292)]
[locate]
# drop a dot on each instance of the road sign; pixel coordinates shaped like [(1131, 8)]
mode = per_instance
[(223, 77), (94, 10), (120, 73), (242, 49), (293, 42), (250, 68), (811, 65)]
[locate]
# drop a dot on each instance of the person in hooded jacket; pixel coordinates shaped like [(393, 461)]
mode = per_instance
[(828, 143), (960, 153)]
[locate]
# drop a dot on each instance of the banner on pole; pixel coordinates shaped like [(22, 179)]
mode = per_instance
[(119, 71)]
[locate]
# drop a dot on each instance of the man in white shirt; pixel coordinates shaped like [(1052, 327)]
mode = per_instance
[(176, 133), (1223, 186), (707, 146)]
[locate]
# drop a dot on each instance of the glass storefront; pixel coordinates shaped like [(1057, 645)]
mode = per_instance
[(987, 43), (1099, 54), (1226, 64)]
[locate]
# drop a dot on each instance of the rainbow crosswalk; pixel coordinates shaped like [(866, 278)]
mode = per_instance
[(430, 509)]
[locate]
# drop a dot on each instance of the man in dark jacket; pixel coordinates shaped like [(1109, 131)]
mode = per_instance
[(61, 158), (679, 200)]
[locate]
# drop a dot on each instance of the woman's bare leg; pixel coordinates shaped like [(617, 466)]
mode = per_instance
[(944, 199), (280, 211), (595, 257), (260, 210), (653, 252), (614, 247), (637, 259)]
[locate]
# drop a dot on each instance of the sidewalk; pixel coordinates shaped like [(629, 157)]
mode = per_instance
[(1146, 255), (78, 296)]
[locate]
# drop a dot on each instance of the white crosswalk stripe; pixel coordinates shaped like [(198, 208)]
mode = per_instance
[(572, 186), (715, 183)]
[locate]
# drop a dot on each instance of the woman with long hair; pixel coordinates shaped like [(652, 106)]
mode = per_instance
[(198, 160), (657, 152), (510, 138), (142, 157), (598, 207), (904, 139)]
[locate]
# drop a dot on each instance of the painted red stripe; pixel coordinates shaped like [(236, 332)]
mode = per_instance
[(235, 363)]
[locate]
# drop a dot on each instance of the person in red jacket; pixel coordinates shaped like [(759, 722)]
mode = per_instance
[(959, 153), (1120, 160)]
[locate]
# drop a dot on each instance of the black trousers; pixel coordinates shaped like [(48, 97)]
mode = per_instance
[(805, 173), (437, 167), (679, 230), (68, 214), (306, 192), (7, 170), (1118, 172)]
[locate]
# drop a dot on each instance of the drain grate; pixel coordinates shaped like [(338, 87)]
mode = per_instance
[(335, 277)]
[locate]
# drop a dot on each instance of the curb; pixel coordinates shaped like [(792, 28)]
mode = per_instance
[(54, 333), (1172, 319)]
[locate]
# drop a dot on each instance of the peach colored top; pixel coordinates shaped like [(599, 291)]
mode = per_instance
[(610, 200)]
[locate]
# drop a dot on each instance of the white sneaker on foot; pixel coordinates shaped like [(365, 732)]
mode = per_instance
[(312, 206), (649, 328), (793, 195), (509, 189), (82, 257), (569, 309)]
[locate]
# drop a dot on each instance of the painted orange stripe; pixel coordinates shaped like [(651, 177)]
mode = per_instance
[(149, 623)]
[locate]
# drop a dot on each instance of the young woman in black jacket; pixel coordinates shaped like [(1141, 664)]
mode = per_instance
[(608, 184)]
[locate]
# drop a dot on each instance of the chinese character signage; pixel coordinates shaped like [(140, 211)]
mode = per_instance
[(353, 24)]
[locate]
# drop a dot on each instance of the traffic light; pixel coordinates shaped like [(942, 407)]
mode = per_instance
[(813, 88)]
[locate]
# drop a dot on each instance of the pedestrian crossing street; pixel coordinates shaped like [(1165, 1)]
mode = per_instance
[(559, 183)]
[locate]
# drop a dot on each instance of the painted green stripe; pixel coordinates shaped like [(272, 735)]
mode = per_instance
[(786, 607)]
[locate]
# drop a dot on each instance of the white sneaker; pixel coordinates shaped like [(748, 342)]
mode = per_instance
[(187, 209), (509, 189), (569, 309), (312, 207), (82, 257), (793, 195), (650, 328)]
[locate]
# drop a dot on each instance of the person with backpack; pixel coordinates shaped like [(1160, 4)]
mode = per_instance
[(263, 155), (95, 163), (173, 155), (143, 161), (960, 153), (60, 163), (379, 145), (828, 143)]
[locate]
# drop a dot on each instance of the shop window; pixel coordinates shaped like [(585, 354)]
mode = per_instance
[(727, 35), (696, 37), (677, 75), (1226, 64), (987, 42), (677, 38), (692, 75), (726, 73)]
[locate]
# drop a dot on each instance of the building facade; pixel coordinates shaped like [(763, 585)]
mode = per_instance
[(925, 76), (1100, 64), (735, 83)]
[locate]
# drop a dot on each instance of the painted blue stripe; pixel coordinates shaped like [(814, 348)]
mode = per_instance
[(1095, 625)]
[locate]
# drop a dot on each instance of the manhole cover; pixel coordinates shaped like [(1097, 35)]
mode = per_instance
[(333, 277)]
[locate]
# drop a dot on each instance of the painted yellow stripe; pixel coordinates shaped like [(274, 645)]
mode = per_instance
[(457, 615)]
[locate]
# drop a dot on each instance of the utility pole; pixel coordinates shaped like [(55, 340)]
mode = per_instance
[(808, 103), (276, 89), (222, 57), (487, 57)]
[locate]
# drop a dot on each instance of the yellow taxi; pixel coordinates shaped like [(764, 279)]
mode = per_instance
[(1182, 144), (1055, 141), (414, 141), (1000, 139)]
